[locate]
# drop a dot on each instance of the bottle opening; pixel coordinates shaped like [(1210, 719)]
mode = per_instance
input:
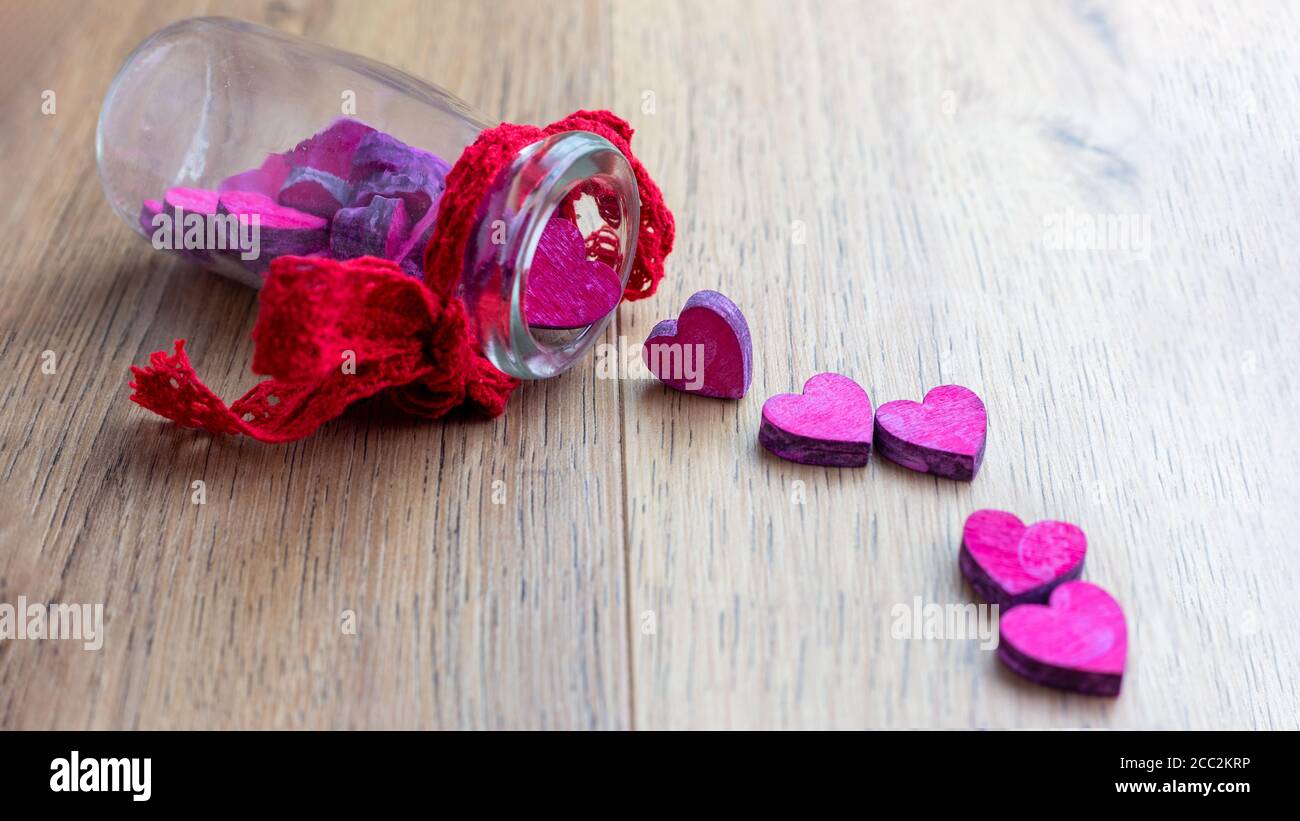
[(551, 253)]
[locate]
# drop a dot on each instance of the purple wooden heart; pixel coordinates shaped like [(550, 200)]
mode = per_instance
[(944, 434), (1008, 563), (565, 289), (705, 350), (828, 424), (1078, 641)]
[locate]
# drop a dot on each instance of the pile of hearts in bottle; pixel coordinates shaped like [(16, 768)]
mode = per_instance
[(346, 192), (352, 191), (1053, 629)]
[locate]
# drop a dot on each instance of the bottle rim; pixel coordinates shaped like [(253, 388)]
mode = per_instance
[(499, 256)]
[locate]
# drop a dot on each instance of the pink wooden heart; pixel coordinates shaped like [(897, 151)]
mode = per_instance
[(565, 289), (1077, 641), (828, 424), (943, 435), (1008, 563), (705, 350)]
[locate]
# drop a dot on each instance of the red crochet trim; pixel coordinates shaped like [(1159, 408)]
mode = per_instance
[(496, 148), (330, 333)]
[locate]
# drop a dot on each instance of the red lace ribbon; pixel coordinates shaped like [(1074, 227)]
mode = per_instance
[(330, 333)]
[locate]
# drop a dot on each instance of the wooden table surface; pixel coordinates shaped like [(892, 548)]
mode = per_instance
[(876, 186)]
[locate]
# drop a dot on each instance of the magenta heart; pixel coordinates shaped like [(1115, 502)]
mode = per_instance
[(705, 350), (1009, 564), (565, 289), (828, 424), (943, 435), (1077, 641)]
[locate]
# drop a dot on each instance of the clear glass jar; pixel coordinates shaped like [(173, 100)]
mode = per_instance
[(209, 104)]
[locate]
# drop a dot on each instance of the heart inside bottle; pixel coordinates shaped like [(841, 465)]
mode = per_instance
[(565, 289)]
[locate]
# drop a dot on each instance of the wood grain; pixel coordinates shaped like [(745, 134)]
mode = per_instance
[(878, 186)]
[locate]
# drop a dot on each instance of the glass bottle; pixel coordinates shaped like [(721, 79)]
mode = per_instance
[(211, 115)]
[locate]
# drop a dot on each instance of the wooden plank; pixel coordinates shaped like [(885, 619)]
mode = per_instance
[(920, 151), (469, 613)]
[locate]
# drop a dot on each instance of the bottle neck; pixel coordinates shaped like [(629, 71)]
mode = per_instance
[(559, 171)]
